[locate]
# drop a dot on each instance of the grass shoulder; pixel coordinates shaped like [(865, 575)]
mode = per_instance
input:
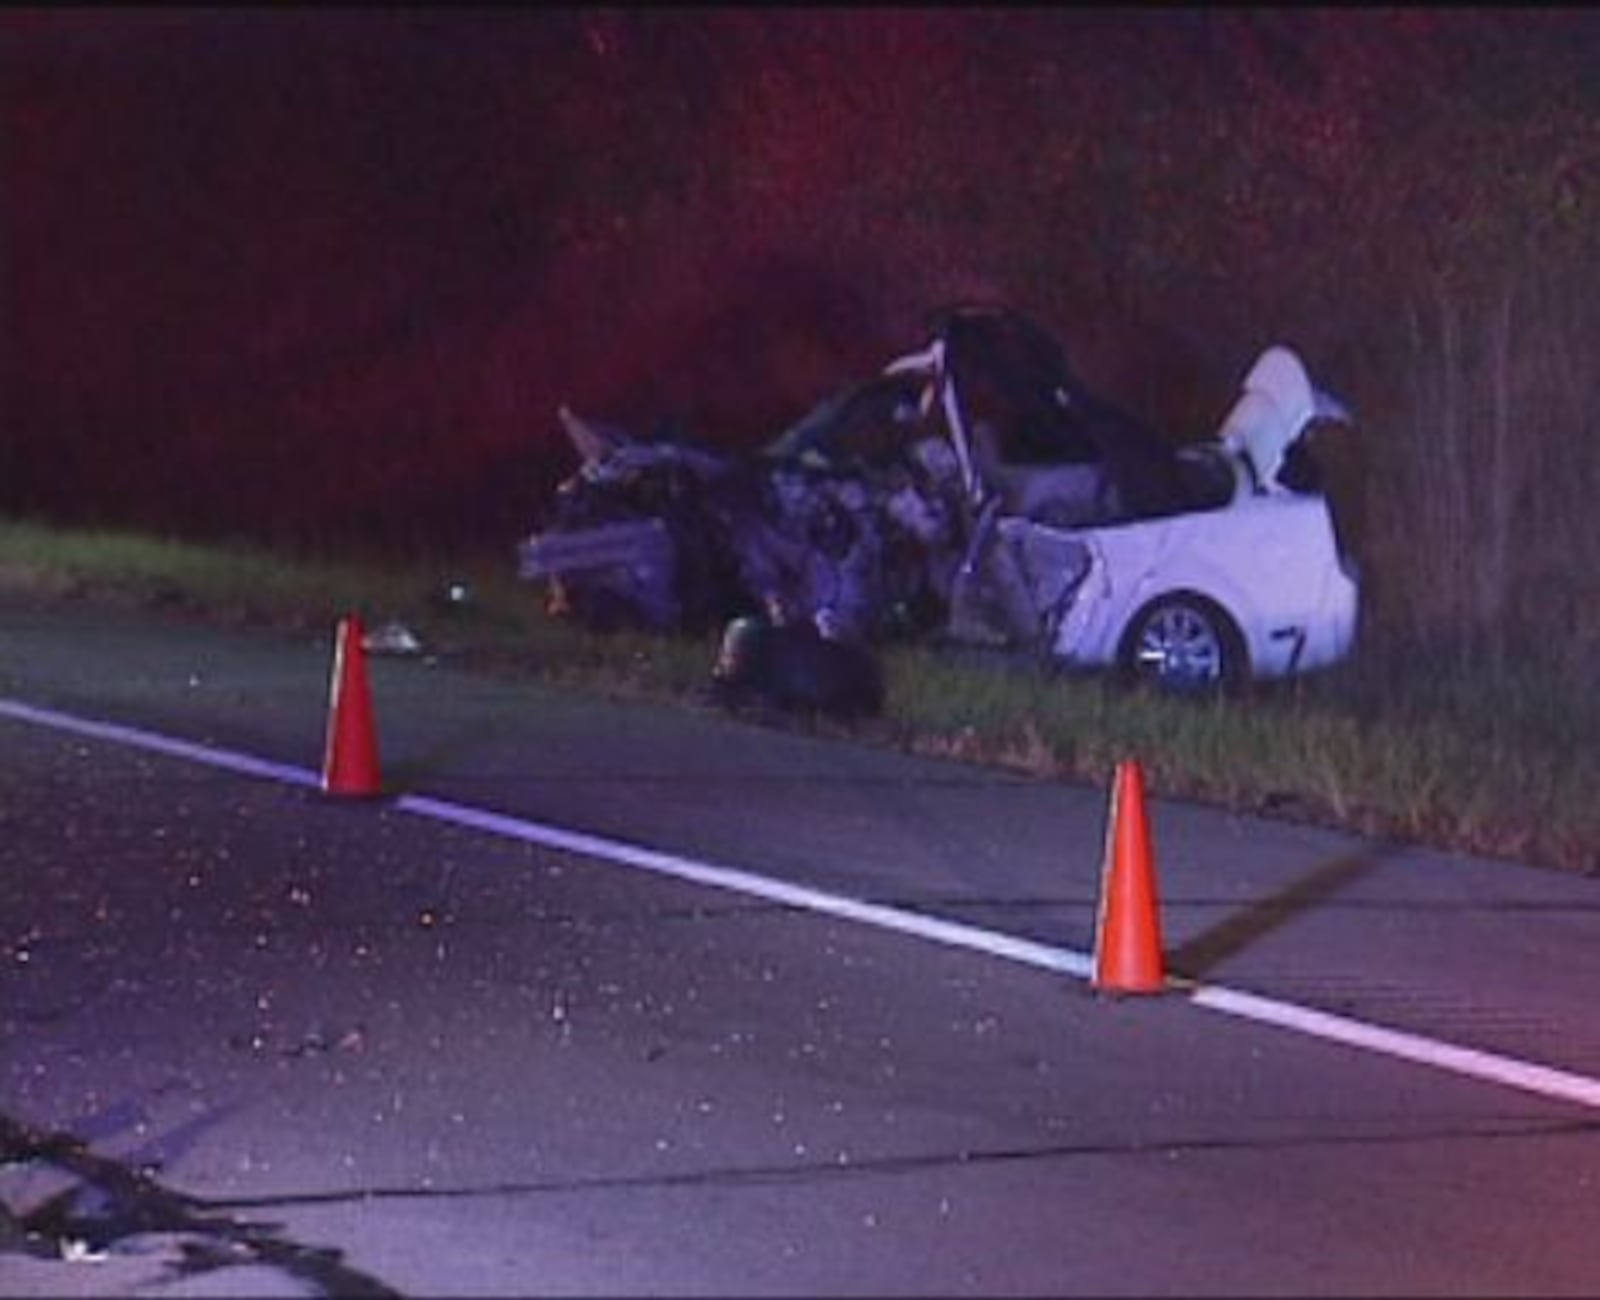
[(1442, 750)]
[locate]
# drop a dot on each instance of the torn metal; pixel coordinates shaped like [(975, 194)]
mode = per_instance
[(974, 491)]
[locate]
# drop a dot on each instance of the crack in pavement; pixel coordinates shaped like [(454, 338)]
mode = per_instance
[(891, 1165), (131, 1202), (134, 1204)]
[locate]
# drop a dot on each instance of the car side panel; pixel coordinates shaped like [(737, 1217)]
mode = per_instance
[(1269, 562)]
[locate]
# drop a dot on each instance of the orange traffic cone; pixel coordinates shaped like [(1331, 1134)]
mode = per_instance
[(1127, 947), (350, 754)]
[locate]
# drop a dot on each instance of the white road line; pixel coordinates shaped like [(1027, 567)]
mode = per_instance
[(954, 933), (138, 738), (1526, 1076)]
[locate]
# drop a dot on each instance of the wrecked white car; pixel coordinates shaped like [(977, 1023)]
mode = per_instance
[(974, 492)]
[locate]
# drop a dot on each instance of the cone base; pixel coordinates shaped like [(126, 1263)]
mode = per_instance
[(348, 790), (1129, 987)]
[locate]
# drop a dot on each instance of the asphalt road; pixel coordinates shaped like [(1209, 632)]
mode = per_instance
[(254, 1040)]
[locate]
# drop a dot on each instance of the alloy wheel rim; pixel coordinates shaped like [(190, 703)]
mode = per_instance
[(1180, 648)]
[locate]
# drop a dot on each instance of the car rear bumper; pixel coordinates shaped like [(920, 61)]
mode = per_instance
[(1331, 633)]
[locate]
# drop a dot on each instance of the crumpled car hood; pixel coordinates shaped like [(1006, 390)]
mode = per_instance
[(863, 517)]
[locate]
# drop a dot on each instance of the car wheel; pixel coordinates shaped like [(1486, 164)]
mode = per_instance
[(1185, 645)]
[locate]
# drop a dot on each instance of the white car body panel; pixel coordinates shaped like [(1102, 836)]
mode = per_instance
[(1268, 560)]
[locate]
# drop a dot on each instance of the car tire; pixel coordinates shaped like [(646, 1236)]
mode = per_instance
[(1183, 645)]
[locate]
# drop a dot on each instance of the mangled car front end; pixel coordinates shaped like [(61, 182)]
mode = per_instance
[(974, 492)]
